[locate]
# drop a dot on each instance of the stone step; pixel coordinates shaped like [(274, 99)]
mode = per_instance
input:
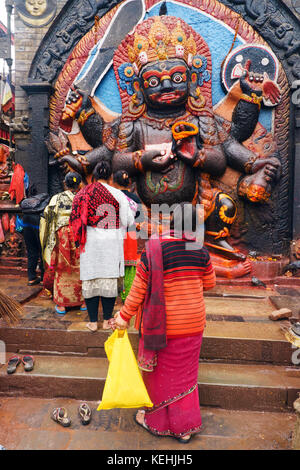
[(25, 424), (225, 341), (228, 386)]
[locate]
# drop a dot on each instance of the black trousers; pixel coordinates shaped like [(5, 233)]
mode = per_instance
[(34, 252), (92, 305)]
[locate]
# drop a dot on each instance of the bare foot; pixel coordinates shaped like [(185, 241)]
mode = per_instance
[(106, 325), (140, 417), (92, 326), (185, 438)]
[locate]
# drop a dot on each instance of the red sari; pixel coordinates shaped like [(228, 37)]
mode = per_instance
[(65, 260), (173, 389)]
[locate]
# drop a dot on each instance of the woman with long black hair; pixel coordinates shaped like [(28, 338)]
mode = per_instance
[(60, 254)]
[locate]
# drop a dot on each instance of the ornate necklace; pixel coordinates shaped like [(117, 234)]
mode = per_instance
[(167, 123)]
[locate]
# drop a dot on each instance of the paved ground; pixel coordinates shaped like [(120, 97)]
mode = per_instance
[(25, 424), (234, 304)]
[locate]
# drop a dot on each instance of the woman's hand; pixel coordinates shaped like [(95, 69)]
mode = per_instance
[(119, 323)]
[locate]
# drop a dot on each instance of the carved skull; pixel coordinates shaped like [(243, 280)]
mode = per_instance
[(143, 57), (179, 50)]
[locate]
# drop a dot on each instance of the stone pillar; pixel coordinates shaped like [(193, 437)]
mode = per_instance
[(296, 435), (32, 153), (296, 215)]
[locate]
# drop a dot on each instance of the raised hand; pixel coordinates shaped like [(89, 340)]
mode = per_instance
[(272, 168), (73, 105), (184, 142), (187, 150), (260, 84), (271, 91)]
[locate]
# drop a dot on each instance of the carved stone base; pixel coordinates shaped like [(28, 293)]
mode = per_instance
[(268, 269)]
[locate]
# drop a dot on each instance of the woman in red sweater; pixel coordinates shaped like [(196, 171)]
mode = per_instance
[(167, 299)]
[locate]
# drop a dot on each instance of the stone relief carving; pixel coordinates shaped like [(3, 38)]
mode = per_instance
[(277, 26), (272, 22), (36, 13)]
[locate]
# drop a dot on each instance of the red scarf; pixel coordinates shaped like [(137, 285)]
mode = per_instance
[(85, 211), (16, 188), (154, 310)]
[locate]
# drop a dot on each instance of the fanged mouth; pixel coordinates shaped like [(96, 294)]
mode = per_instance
[(169, 96)]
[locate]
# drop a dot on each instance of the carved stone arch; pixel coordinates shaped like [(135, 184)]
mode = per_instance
[(75, 19), (267, 17)]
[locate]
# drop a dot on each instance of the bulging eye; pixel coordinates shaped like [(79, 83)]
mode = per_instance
[(177, 78), (153, 82)]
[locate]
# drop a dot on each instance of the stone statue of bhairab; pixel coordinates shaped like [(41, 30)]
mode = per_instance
[(169, 137)]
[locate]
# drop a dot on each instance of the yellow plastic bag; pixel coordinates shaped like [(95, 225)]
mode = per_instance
[(124, 386)]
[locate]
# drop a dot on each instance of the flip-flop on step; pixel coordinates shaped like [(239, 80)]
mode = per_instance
[(28, 362), (60, 416), (12, 364), (85, 413)]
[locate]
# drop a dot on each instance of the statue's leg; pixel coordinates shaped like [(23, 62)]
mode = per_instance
[(218, 224)]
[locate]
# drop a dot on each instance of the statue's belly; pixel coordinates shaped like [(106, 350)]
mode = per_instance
[(175, 185)]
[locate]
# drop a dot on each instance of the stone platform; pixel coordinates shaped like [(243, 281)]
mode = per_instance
[(25, 424), (246, 373)]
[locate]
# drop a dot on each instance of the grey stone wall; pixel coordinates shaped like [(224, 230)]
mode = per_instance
[(27, 41)]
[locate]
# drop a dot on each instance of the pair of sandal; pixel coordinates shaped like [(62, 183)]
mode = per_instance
[(60, 415), (62, 311), (182, 440), (93, 326), (14, 361)]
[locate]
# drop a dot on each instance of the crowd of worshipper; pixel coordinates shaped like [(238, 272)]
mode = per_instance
[(77, 250)]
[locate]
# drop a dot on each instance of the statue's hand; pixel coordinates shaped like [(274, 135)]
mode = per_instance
[(72, 106), (186, 150), (71, 162), (271, 90), (260, 84), (76, 102), (272, 168), (156, 160)]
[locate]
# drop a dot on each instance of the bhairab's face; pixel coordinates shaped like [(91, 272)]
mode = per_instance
[(36, 7), (165, 83)]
